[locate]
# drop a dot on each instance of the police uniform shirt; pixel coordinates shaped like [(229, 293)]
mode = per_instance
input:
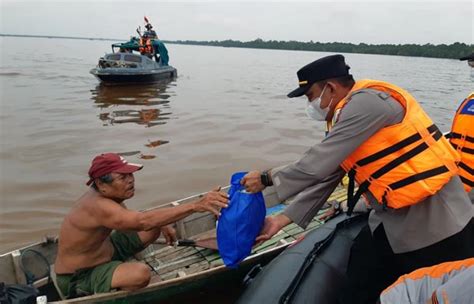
[(316, 174)]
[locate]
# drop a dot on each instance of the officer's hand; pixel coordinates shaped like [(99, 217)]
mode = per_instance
[(252, 182), (271, 226), (329, 213), (212, 202)]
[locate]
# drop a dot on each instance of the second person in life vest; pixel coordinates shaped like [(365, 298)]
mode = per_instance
[(462, 139), (405, 168)]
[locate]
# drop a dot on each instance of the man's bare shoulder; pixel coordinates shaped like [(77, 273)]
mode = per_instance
[(96, 202), (90, 208)]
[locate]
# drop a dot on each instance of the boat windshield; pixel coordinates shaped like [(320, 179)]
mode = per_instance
[(113, 57), (132, 58)]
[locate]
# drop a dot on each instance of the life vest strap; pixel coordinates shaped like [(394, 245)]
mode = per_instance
[(466, 181), (352, 198), (417, 177), (463, 149), (403, 158), (394, 148), (468, 169), (459, 136)]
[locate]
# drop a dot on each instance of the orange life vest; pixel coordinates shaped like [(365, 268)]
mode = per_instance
[(429, 283), (145, 46), (401, 164), (462, 139)]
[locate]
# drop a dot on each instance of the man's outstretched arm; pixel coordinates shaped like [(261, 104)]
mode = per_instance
[(115, 216)]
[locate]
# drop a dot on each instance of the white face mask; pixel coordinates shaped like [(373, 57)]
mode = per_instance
[(313, 108)]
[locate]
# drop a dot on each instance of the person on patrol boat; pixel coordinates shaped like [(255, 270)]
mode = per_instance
[(462, 139), (449, 282), (406, 170), (150, 32), (145, 45)]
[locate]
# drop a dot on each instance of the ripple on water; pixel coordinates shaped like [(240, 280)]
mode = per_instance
[(248, 127), (11, 74)]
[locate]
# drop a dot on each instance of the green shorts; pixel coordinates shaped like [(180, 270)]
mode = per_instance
[(98, 279)]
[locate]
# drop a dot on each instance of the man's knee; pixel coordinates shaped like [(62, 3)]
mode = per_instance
[(131, 276), (143, 274)]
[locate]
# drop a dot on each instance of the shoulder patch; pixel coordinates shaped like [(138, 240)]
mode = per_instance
[(355, 93), (468, 108), (361, 91), (381, 95)]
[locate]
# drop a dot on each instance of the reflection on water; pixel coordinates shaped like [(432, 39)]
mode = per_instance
[(147, 117), (152, 96), (146, 105), (156, 143), (146, 95)]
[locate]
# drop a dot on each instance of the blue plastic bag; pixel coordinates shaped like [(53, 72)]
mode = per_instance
[(240, 223)]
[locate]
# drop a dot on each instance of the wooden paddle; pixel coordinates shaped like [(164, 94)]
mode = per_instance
[(210, 243)]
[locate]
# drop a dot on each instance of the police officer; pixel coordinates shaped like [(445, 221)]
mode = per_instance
[(405, 168)]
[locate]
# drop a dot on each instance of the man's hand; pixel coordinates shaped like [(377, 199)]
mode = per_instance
[(212, 202), (252, 182), (271, 226), (169, 234)]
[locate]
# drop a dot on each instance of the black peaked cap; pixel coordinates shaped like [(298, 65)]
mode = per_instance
[(324, 68)]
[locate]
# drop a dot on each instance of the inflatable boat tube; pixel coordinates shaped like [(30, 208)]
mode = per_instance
[(311, 271)]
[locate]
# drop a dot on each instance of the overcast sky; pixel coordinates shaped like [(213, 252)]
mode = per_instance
[(375, 21)]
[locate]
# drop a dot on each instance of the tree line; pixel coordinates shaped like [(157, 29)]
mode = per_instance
[(454, 51)]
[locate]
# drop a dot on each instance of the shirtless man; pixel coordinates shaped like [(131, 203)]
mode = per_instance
[(100, 233)]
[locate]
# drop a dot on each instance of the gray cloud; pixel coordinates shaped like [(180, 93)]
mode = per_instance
[(345, 21)]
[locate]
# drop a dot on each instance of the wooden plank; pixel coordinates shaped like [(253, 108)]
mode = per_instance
[(41, 282), (198, 267), (188, 270), (165, 268), (271, 242), (292, 229), (19, 275), (212, 257), (7, 273), (217, 263), (164, 252), (267, 246), (181, 274), (187, 251), (172, 256)]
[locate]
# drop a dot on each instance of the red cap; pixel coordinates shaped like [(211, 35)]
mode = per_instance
[(108, 163)]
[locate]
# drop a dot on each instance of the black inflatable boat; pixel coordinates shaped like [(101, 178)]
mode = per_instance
[(311, 271)]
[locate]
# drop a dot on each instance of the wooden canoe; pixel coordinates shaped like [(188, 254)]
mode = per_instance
[(187, 273)]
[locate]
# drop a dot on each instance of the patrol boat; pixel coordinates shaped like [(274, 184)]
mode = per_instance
[(142, 59), (119, 68)]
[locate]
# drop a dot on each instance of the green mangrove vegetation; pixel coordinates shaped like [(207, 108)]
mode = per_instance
[(454, 51)]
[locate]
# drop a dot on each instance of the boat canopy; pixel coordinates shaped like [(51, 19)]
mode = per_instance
[(134, 44)]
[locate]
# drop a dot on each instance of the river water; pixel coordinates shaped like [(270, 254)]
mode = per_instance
[(227, 111)]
